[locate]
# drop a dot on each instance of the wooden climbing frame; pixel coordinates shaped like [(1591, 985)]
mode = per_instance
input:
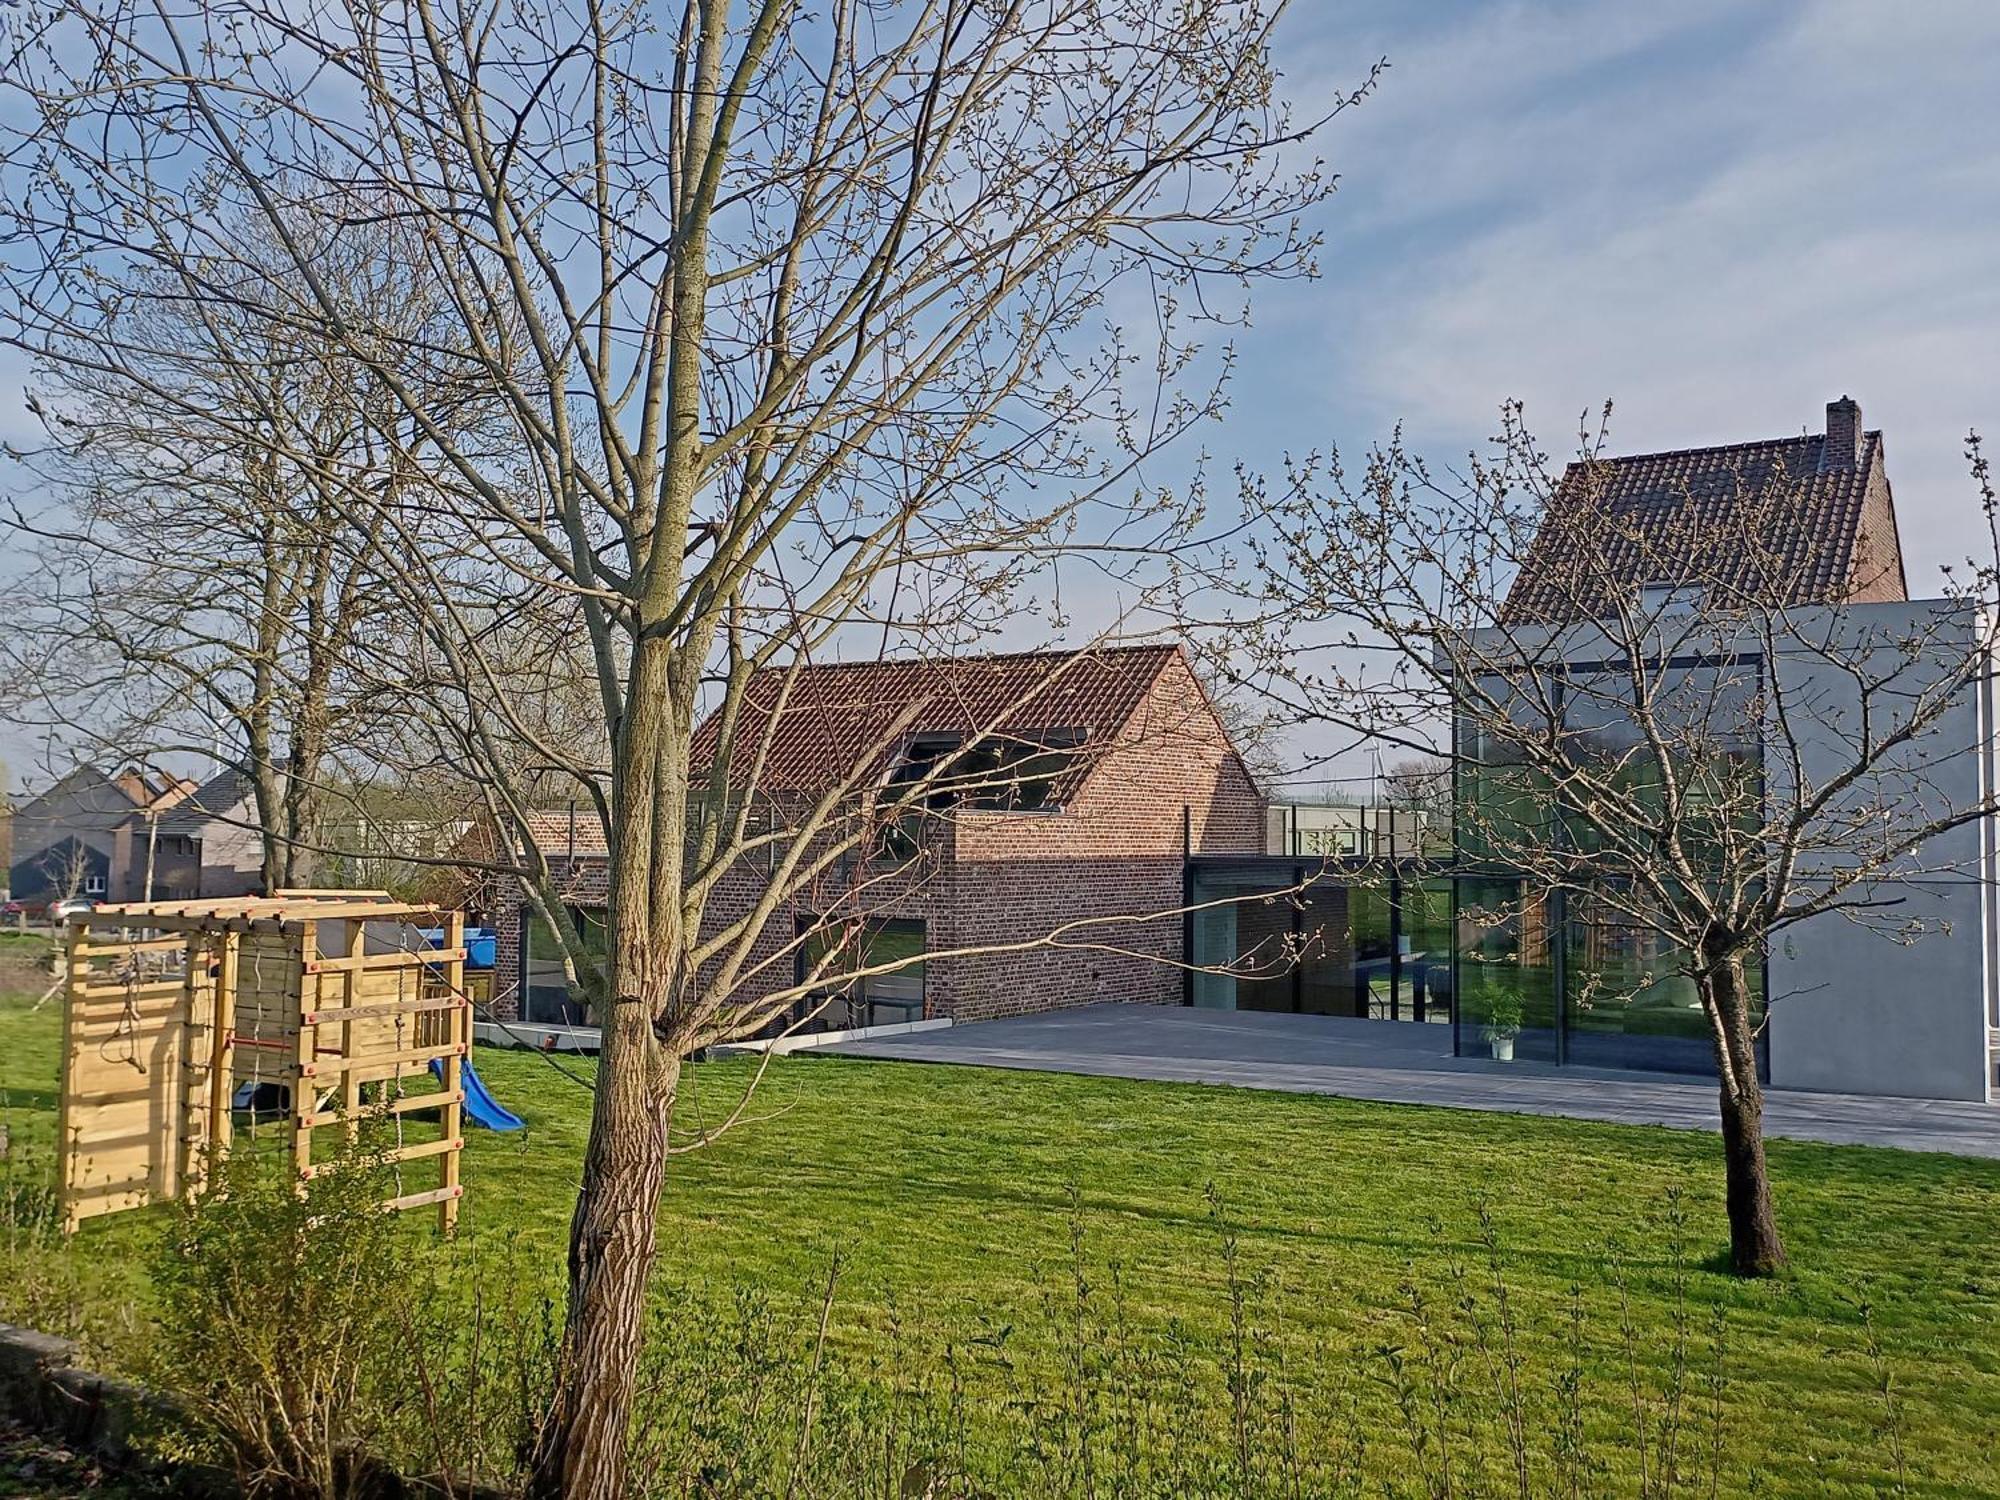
[(172, 1006)]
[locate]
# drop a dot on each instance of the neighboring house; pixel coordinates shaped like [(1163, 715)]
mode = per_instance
[(74, 839), (206, 844), (1117, 773), (1852, 1011)]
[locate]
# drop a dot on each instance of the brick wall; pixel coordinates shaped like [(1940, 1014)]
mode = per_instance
[(1115, 854), (1104, 873), (1877, 575)]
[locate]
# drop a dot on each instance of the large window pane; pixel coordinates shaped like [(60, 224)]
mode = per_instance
[(1424, 985), (546, 993), (839, 1000), (1630, 1006), (1706, 717), (1506, 981), (1501, 804), (1258, 941), (1374, 956), (1326, 969)]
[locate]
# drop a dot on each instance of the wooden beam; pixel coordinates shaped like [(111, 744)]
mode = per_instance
[(415, 1152), (351, 1085), (119, 949), (386, 1008), (454, 1069), (222, 1048), (408, 1104), (418, 958), (67, 1142), (305, 1045), (334, 1066), (418, 1200)]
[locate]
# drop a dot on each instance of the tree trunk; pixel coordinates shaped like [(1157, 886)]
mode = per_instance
[(1754, 1246), (582, 1449), (299, 831), (612, 1237)]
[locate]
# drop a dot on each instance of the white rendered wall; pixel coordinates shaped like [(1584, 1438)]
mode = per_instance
[(1853, 1010)]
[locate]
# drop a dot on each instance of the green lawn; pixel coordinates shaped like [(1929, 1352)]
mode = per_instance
[(948, 1191)]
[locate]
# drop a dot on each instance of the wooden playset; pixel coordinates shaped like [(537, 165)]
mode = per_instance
[(178, 1013)]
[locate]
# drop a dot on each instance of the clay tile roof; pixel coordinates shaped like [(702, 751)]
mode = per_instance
[(1688, 517), (220, 796), (838, 713), (552, 829)]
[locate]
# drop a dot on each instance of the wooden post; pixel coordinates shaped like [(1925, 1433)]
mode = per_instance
[(222, 1056), (459, 1033), (350, 1089), (197, 1055), (66, 1142), (306, 997)]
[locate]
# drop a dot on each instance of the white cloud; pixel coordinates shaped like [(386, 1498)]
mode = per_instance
[(1720, 224)]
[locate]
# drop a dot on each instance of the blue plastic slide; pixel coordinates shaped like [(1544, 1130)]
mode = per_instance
[(479, 1103)]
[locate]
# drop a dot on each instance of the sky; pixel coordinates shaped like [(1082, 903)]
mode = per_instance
[(1717, 216)]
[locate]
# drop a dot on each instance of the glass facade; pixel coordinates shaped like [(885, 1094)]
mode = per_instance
[(546, 993), (1519, 974), (1580, 975), (1627, 1003), (842, 1002), (1583, 976), (1265, 935), (1506, 971)]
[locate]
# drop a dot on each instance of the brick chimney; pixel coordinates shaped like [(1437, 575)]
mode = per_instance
[(1843, 434)]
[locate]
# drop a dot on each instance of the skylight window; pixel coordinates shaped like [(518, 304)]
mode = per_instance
[(998, 773)]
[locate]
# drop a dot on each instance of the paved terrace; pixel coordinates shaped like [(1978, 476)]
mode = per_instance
[(1409, 1063)]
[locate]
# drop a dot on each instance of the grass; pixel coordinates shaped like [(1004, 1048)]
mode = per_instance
[(948, 1191)]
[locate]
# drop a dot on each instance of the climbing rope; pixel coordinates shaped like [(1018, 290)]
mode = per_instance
[(128, 1019), (396, 1089)]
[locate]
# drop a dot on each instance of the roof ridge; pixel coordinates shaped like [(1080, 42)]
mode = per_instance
[(1803, 439), (1041, 652)]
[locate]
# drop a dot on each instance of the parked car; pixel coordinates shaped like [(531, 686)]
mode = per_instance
[(70, 908)]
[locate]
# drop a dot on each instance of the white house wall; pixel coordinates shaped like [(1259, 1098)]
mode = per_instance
[(1853, 1009)]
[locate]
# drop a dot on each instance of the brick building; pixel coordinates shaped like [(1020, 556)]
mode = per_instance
[(1038, 793)]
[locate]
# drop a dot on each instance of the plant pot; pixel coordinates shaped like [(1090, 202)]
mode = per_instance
[(1503, 1048)]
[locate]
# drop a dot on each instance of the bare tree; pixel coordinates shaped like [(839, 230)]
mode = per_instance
[(65, 868), (210, 493), (1421, 783), (1676, 778), (809, 329)]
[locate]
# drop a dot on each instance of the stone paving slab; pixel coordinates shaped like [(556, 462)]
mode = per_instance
[(1411, 1063)]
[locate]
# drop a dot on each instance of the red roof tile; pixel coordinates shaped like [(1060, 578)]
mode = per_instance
[(838, 715), (1778, 522)]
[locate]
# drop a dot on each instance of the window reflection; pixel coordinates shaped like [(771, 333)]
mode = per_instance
[(1299, 940), (1506, 989)]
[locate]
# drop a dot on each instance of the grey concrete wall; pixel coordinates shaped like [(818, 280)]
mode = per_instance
[(1892, 996), (1855, 1012)]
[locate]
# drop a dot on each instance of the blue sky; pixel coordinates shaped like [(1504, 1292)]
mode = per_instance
[(1720, 216)]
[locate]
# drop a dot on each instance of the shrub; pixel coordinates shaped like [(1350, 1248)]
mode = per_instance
[(41, 1287), (281, 1322)]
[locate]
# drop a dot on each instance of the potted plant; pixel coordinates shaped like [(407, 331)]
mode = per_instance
[(1503, 1021)]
